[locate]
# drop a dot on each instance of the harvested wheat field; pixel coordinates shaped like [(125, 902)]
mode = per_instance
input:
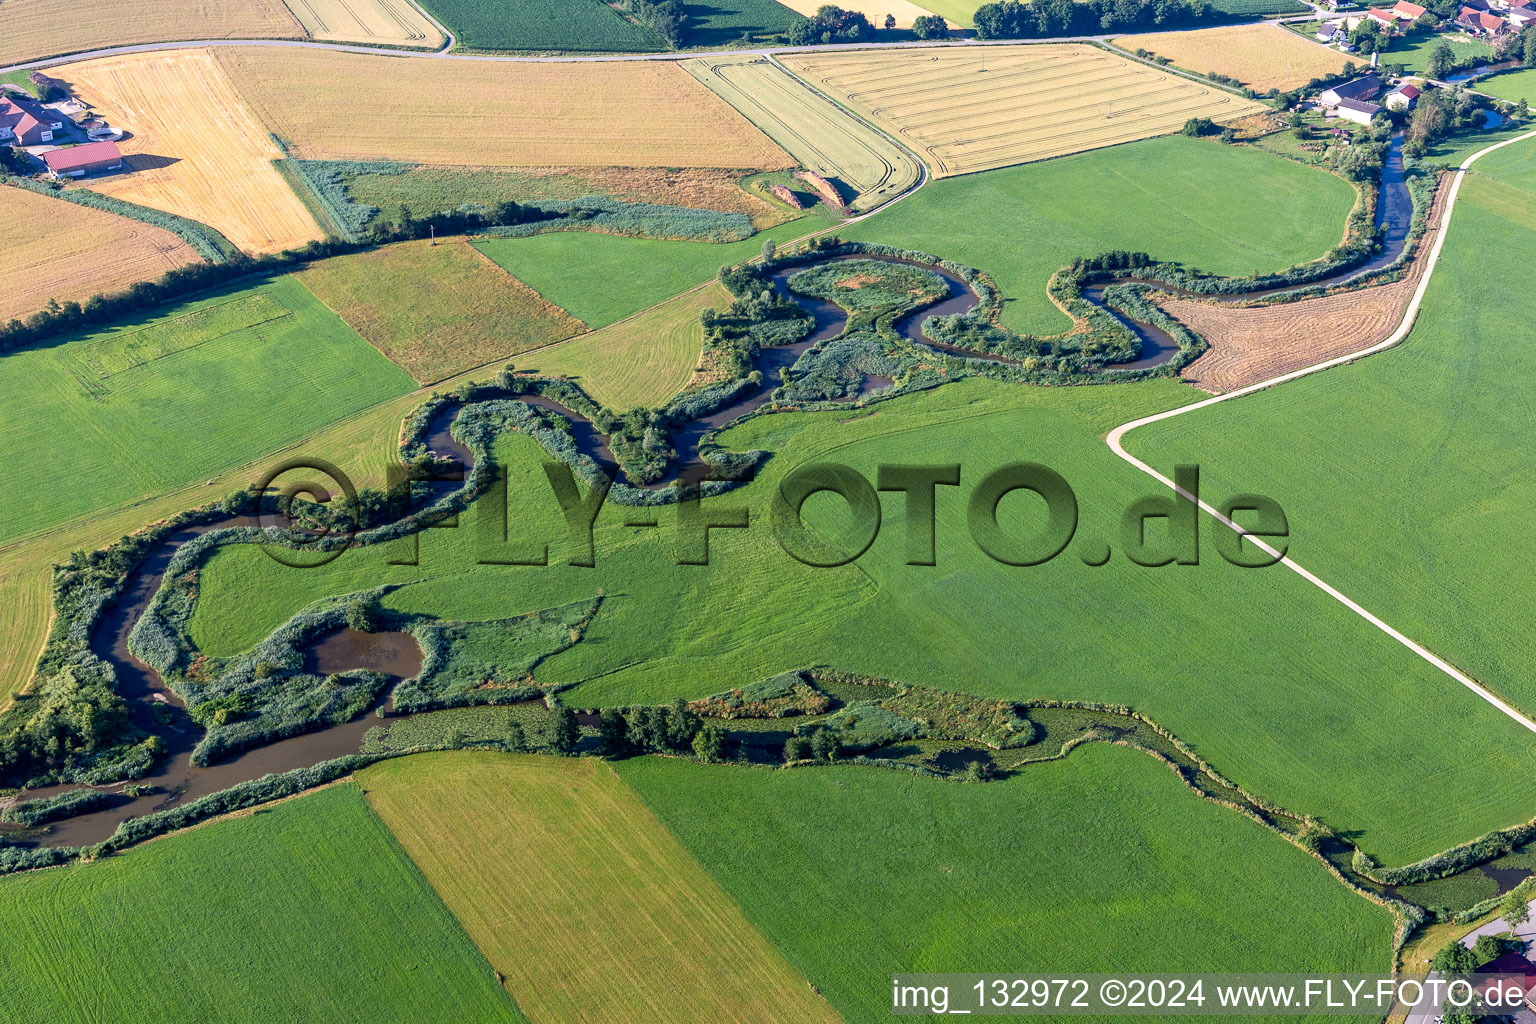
[(579, 897), (904, 11), (396, 22), (50, 249), (343, 106), (437, 309), (974, 109), (30, 29), (816, 132), (195, 149), (1259, 342), (1261, 56), (641, 361)]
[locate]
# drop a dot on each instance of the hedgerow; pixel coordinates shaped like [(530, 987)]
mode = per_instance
[(208, 243)]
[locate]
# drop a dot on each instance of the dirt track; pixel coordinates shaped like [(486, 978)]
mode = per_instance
[(1250, 344)]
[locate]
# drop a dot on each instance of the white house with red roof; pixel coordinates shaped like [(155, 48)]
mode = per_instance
[(25, 123)]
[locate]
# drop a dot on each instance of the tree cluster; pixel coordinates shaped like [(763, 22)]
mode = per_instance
[(831, 25), (667, 18), (1438, 114), (1015, 19), (652, 730)]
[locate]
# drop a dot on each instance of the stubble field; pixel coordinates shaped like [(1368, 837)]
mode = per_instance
[(579, 897), (195, 148), (51, 249), (44, 28), (642, 361), (396, 22), (437, 309), (971, 110), (341, 106), (821, 137), (1261, 56)]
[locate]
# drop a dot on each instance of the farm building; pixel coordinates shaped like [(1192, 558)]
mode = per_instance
[(1520, 17), (78, 161), (26, 123), (1406, 11), (1386, 19), (1365, 87), (1482, 23), (1401, 98), (1357, 111)]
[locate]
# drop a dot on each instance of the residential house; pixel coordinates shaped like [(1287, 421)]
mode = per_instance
[(1519, 17), (1366, 87), (1357, 111), (78, 161), (26, 123), (1330, 32), (1335, 5), (1484, 24), (1401, 98)]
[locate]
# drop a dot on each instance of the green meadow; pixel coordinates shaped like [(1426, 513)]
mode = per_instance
[(1413, 53), (1408, 477), (152, 404), (603, 278), (1102, 862), (305, 910), (1224, 209), (1510, 85), (1281, 689)]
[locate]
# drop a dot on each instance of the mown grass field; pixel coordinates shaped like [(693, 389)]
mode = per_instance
[(815, 132), (309, 903), (345, 106), (1037, 101), (43, 28), (437, 309), (1413, 52), (579, 897), (1104, 862), (542, 25), (1284, 691), (51, 249), (1448, 424), (1178, 198), (1261, 56), (176, 398), (393, 22), (215, 167), (1510, 85), (642, 361), (601, 279)]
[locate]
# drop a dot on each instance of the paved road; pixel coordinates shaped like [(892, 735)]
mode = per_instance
[(1526, 932), (1117, 436)]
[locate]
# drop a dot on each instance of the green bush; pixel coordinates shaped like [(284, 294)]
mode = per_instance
[(56, 808)]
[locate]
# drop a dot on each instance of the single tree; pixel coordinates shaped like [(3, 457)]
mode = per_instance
[(825, 746), (516, 742), (682, 725), (797, 748), (890, 22), (1454, 958), (564, 733), (613, 732), (1516, 907), (1441, 59), (362, 616), (709, 743), (769, 249)]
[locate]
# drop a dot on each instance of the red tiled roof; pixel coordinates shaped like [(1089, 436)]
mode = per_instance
[(78, 157), (1407, 9), (1411, 91)]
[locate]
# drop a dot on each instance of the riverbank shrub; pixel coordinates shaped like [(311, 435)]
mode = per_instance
[(56, 808)]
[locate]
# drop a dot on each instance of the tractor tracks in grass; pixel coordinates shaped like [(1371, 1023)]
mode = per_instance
[(1116, 436)]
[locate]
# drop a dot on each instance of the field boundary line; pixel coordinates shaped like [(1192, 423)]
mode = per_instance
[(1117, 435)]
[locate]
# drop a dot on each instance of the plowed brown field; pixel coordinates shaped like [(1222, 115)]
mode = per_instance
[(1251, 344), (195, 149), (343, 106), (50, 249), (972, 109)]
